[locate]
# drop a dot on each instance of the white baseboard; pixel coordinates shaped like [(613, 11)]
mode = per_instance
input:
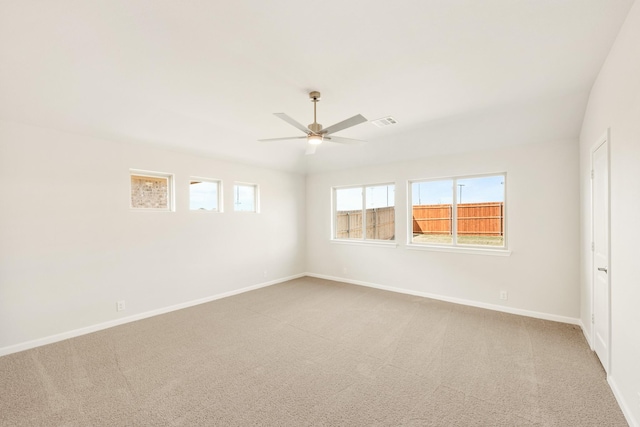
[(622, 402), (98, 327), (586, 334), (529, 313), (121, 321), (511, 310), (614, 387)]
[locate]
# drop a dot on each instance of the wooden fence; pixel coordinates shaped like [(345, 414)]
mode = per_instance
[(485, 219), (380, 224)]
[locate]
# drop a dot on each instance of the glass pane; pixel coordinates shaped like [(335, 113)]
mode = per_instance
[(380, 196), (149, 192), (481, 211), (348, 199), (203, 195), (348, 213), (244, 198), (432, 205), (381, 222)]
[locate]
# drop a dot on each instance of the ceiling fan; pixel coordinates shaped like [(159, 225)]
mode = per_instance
[(315, 133)]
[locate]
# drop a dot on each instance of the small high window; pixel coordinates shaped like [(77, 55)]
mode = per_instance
[(205, 195), (151, 190), (245, 198)]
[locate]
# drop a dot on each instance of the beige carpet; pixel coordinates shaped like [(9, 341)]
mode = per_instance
[(314, 352)]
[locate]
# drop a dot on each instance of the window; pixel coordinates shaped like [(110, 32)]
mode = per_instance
[(151, 190), (245, 198), (463, 211), (205, 195), (364, 212)]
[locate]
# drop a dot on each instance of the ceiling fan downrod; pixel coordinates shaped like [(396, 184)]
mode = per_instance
[(315, 127)]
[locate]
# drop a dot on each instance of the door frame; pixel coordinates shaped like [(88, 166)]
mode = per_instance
[(603, 140)]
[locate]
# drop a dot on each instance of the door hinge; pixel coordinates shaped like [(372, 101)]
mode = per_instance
[(593, 246), (592, 174), (593, 318)]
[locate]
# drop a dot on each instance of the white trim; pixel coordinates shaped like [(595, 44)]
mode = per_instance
[(454, 211), (256, 196), (363, 187), (471, 303), (121, 321), (368, 242), (604, 139), (219, 201), (586, 335), (626, 411), (171, 189), (459, 249)]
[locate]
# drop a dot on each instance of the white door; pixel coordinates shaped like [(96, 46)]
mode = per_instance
[(600, 274)]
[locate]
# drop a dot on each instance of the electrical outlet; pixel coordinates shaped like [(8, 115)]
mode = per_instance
[(639, 398), (120, 306), (265, 274), (504, 295), (344, 270)]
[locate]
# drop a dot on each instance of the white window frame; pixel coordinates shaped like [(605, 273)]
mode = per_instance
[(220, 208), (256, 196), (454, 246), (153, 174), (363, 240)]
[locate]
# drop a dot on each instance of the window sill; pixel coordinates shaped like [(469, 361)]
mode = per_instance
[(381, 243), (460, 249), (204, 211)]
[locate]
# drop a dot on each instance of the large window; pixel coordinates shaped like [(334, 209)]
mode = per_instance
[(364, 212), (151, 190), (245, 198), (205, 195), (462, 211)]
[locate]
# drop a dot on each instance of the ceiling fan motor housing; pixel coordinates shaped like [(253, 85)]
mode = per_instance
[(315, 127)]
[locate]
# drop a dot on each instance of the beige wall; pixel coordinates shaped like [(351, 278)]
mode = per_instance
[(70, 246), (541, 275), (614, 103)]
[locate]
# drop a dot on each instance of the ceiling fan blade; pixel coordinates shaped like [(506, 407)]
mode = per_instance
[(283, 139), (292, 122), (311, 149), (355, 120), (342, 140)]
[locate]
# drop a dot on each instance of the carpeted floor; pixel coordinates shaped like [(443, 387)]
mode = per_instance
[(318, 353)]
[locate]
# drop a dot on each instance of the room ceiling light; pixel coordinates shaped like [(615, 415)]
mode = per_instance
[(314, 139)]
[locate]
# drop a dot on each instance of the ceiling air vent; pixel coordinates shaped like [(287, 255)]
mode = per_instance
[(385, 121)]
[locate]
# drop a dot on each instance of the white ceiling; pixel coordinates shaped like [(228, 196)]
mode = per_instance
[(205, 76)]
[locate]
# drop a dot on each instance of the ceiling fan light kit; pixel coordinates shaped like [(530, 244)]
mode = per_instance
[(314, 139), (315, 133)]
